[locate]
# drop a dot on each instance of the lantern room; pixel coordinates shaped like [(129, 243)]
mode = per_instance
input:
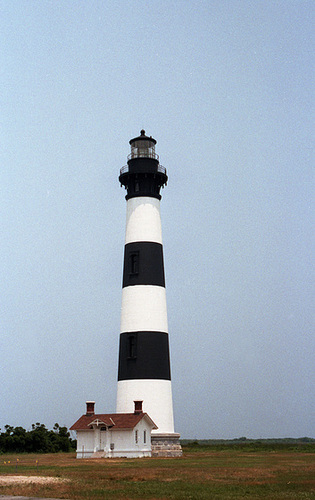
[(143, 147)]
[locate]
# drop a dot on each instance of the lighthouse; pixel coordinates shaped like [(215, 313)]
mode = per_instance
[(144, 372)]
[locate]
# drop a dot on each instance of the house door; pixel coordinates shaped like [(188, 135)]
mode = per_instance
[(103, 435)]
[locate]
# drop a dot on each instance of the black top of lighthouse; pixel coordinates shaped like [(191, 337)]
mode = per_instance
[(142, 137), (143, 175)]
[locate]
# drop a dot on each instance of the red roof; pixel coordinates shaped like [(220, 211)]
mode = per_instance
[(113, 420)]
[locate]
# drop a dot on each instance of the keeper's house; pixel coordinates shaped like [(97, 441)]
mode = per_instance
[(114, 434)]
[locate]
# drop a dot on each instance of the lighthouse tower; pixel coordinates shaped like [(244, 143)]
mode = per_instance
[(144, 361)]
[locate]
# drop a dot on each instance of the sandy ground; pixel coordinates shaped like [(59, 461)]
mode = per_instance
[(29, 479), (6, 480)]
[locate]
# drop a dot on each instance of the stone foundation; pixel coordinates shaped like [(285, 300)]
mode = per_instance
[(166, 445)]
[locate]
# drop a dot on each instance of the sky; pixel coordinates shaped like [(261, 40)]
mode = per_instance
[(225, 87)]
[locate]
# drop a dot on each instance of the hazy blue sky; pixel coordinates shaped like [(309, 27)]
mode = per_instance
[(226, 89)]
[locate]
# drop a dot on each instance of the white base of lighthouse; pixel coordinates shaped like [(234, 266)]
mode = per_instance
[(157, 401)]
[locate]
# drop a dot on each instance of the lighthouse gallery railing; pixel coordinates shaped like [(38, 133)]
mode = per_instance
[(125, 169)]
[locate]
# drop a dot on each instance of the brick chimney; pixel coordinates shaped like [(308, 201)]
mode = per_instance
[(138, 407), (90, 408)]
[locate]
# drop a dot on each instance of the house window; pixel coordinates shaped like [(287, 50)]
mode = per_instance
[(136, 437), (134, 263), (144, 436)]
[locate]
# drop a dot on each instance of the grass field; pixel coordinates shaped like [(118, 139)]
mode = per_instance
[(202, 473)]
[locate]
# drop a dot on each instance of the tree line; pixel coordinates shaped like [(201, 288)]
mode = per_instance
[(38, 440)]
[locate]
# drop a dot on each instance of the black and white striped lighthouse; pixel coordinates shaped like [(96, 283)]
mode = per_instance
[(144, 361)]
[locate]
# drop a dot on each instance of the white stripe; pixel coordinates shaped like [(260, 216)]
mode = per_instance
[(157, 401), (143, 220), (143, 308)]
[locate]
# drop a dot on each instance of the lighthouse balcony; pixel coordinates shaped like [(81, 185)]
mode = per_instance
[(125, 169)]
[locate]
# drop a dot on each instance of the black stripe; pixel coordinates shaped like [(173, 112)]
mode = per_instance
[(144, 355), (143, 264)]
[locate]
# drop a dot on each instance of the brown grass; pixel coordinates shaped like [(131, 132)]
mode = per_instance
[(227, 474)]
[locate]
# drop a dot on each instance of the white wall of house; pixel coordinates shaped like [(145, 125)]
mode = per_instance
[(85, 444), (131, 443)]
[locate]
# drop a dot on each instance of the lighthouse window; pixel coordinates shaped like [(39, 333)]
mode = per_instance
[(131, 346), (136, 436), (134, 263), (144, 436)]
